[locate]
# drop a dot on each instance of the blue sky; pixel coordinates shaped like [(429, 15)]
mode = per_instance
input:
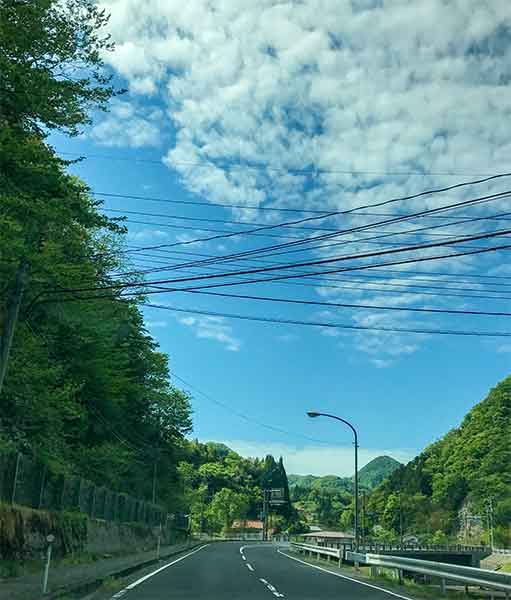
[(290, 87)]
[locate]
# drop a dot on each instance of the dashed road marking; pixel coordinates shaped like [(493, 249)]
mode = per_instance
[(250, 567), (272, 588)]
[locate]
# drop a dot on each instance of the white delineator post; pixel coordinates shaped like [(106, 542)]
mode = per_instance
[(50, 539)]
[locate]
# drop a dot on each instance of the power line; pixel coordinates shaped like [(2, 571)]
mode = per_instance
[(327, 324), (259, 167), (407, 272), (376, 204), (345, 305), (266, 249), (316, 262), (378, 278), (409, 288), (360, 241), (243, 416), (279, 277)]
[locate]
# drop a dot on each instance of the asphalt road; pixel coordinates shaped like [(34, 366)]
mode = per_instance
[(237, 570)]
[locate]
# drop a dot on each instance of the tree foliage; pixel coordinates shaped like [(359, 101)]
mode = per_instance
[(462, 472)]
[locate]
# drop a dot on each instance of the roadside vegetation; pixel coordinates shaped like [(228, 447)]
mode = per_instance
[(83, 385)]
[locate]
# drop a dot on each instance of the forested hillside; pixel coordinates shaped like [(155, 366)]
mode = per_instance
[(460, 479), (376, 471), (86, 389), (325, 499)]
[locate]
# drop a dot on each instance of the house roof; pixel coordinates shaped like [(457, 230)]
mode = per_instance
[(330, 535), (248, 524)]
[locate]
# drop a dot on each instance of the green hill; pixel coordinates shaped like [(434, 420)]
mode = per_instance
[(463, 473), (376, 471), (369, 476)]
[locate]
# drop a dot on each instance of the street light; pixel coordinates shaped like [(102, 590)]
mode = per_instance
[(313, 415)]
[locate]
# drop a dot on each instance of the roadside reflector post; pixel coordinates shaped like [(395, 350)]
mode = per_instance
[(50, 539)]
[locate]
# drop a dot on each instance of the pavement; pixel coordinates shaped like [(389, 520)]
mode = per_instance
[(241, 570), (82, 576)]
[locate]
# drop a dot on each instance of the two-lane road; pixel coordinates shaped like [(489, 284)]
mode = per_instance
[(232, 570)]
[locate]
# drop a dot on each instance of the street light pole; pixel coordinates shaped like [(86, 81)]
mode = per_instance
[(313, 414)]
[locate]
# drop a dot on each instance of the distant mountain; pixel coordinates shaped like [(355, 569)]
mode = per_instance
[(370, 476), (376, 471), (330, 482)]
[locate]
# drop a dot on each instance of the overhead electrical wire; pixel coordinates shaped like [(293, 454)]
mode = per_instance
[(250, 281), (464, 312), (242, 415), (361, 241), (311, 239), (328, 324), (379, 281), (319, 262), (259, 167), (402, 272)]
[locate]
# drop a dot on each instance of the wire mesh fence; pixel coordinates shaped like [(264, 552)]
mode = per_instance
[(28, 482)]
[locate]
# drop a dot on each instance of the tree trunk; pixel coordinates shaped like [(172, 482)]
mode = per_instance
[(11, 317)]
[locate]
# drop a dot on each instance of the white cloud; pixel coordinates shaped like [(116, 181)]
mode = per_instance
[(317, 459), (377, 87), (212, 328), (127, 125), (145, 234), (156, 324)]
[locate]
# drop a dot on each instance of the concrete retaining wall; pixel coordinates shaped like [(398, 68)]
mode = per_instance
[(23, 534)]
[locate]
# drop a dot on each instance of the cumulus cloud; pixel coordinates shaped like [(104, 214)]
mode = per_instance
[(363, 94), (212, 328), (147, 234), (317, 459), (127, 125)]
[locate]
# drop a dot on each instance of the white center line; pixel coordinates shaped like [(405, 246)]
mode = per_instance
[(272, 588), (250, 567)]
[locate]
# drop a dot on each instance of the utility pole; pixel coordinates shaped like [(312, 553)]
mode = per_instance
[(11, 318), (400, 518), (266, 494), (363, 518), (489, 511), (155, 469)]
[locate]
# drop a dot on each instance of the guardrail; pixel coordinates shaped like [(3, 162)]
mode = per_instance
[(501, 550), (319, 550), (493, 580)]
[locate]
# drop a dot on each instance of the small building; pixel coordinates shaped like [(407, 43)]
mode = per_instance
[(247, 529), (329, 538)]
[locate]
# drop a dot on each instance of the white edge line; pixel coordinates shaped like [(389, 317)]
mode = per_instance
[(243, 557), (250, 567), (374, 587), (142, 579)]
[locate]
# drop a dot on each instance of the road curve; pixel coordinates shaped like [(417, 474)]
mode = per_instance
[(244, 571)]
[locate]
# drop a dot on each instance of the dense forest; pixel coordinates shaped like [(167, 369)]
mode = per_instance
[(83, 386), (456, 486)]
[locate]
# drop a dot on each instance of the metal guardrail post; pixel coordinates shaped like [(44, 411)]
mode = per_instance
[(443, 587)]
